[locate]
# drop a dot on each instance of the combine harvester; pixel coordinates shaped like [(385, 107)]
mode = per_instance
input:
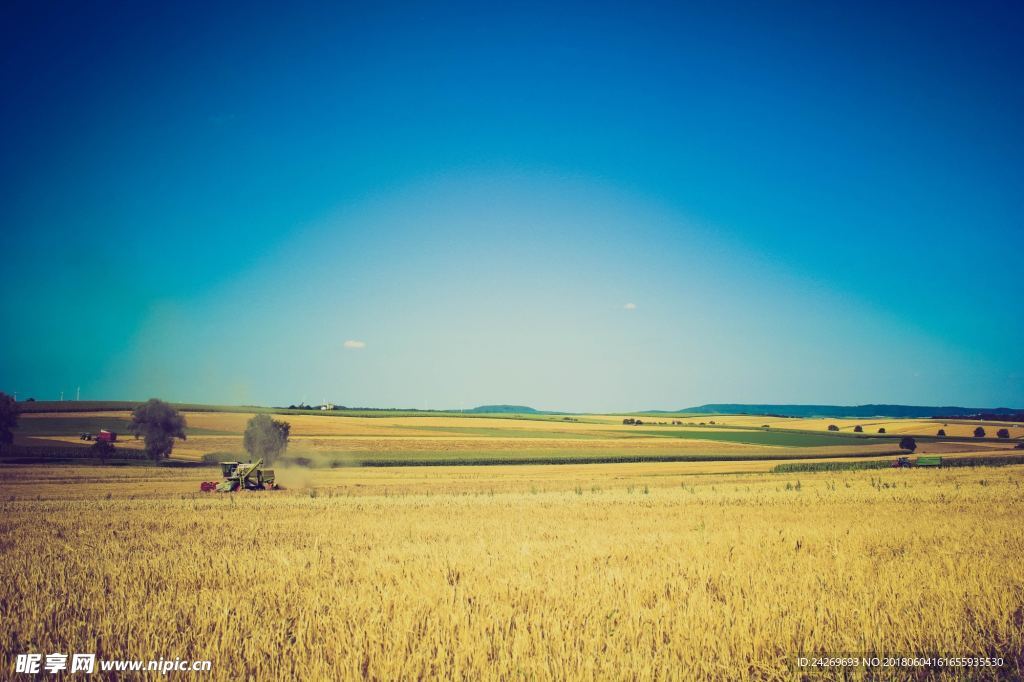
[(241, 476)]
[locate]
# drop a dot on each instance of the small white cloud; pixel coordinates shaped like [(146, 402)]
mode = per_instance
[(354, 345), (630, 306)]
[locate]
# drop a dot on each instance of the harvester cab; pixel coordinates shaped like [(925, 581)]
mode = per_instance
[(242, 476)]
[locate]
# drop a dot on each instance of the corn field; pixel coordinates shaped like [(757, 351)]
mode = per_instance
[(596, 575)]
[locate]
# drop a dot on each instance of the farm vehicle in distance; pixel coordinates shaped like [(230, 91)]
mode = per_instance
[(103, 436)]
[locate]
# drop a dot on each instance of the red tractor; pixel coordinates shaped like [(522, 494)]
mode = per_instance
[(103, 436), (902, 463)]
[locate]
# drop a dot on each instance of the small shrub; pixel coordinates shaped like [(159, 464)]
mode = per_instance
[(102, 450)]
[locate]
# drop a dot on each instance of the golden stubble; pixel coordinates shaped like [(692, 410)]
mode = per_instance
[(639, 571)]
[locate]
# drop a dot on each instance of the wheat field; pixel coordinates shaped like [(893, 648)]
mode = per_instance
[(645, 571)]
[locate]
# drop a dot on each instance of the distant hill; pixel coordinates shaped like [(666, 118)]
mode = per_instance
[(339, 410), (898, 411), (504, 409)]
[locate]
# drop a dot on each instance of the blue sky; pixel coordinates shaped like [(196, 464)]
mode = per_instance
[(585, 207)]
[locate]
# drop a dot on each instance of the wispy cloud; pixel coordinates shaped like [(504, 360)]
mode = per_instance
[(630, 306), (354, 345)]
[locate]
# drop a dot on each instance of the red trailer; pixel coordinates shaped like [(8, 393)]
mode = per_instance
[(107, 436)]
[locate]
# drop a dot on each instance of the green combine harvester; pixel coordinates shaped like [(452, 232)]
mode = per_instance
[(240, 476)]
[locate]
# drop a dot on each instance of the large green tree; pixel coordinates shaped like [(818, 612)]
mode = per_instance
[(266, 438), (8, 418), (159, 424)]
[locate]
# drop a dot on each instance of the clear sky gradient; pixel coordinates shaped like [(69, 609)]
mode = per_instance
[(587, 206)]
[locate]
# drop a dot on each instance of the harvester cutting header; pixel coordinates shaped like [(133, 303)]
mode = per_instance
[(241, 476)]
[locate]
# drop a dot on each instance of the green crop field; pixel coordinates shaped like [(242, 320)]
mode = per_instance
[(788, 439), (344, 458), (947, 462)]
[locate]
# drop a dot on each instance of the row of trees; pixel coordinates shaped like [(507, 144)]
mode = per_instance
[(978, 432), (1001, 433)]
